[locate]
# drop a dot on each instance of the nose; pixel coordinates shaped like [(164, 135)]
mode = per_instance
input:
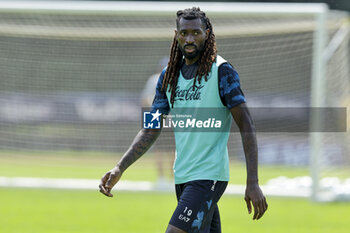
[(189, 39)]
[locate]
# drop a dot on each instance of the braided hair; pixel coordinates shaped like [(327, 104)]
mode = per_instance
[(206, 60)]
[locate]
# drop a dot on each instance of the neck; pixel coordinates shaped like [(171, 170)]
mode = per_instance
[(191, 61)]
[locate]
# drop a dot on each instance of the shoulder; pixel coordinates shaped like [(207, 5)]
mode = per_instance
[(227, 72), (224, 67), (220, 60), (162, 73), (161, 77)]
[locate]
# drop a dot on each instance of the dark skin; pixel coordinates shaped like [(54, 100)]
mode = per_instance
[(142, 142), (191, 36), (253, 193)]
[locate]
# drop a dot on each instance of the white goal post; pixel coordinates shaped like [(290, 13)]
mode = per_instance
[(67, 29)]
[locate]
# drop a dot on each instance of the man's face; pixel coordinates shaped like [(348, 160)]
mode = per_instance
[(191, 37)]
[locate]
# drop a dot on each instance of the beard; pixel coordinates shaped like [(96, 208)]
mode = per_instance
[(195, 53), (190, 55)]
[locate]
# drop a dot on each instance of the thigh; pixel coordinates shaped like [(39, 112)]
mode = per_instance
[(213, 223), (196, 204)]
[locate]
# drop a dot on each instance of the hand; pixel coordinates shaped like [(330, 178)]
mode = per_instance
[(109, 180), (253, 194)]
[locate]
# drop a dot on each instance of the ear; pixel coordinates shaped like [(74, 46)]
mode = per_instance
[(176, 35), (207, 33)]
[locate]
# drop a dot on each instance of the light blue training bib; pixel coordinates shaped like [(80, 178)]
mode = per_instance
[(201, 155)]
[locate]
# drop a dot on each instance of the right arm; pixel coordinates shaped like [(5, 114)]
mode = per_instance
[(142, 142)]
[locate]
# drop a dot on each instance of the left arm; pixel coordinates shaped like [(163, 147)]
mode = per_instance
[(253, 193)]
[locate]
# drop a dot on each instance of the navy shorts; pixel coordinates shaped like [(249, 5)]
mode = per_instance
[(197, 209)]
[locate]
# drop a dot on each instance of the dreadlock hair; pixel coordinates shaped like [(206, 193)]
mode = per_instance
[(206, 60)]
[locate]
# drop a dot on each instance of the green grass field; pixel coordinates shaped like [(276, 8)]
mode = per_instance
[(58, 211), (92, 165), (68, 211)]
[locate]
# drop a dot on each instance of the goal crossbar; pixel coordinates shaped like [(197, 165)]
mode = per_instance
[(166, 7)]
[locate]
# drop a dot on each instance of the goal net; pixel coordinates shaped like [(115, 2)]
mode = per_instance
[(73, 77)]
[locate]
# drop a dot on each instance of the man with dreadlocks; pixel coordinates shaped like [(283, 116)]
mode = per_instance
[(201, 165)]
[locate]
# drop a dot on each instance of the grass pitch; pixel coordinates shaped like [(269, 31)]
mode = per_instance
[(66, 211), (92, 165)]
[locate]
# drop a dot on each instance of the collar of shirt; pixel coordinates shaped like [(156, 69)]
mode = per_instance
[(189, 71)]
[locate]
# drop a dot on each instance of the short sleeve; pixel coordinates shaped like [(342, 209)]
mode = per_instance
[(230, 90), (160, 100)]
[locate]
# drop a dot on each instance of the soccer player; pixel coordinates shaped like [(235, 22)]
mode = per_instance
[(201, 165)]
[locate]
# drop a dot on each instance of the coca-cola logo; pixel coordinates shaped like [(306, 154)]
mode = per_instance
[(188, 94)]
